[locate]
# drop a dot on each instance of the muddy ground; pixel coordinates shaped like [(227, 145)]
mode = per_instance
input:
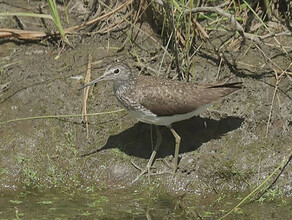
[(224, 151)]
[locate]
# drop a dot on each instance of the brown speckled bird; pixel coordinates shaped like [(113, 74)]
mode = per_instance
[(161, 101)]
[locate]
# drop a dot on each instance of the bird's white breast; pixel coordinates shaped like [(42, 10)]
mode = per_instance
[(150, 118)]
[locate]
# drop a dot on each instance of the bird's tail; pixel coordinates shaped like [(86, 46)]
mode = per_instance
[(235, 85)]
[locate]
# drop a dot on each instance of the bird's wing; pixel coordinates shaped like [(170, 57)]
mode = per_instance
[(165, 97)]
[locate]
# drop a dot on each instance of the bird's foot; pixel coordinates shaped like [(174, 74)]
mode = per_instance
[(147, 170), (171, 166), (143, 171)]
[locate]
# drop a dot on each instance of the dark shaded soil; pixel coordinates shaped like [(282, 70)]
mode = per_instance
[(224, 152)]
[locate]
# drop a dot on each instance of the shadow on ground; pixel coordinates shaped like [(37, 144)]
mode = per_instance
[(136, 141)]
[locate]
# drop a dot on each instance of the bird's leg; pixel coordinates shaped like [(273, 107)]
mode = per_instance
[(154, 152), (152, 157), (151, 136), (177, 145)]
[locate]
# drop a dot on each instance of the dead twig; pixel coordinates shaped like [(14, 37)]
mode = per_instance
[(78, 27), (277, 177), (272, 104), (112, 26), (85, 95), (221, 12), (38, 35), (279, 73), (24, 34), (236, 25)]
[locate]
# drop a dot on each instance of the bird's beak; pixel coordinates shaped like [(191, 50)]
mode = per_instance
[(93, 82)]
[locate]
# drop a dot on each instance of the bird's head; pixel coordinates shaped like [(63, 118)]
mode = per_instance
[(115, 72)]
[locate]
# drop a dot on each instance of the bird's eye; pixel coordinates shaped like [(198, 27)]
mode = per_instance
[(116, 71)]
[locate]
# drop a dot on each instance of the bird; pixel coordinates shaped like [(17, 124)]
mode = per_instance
[(161, 101)]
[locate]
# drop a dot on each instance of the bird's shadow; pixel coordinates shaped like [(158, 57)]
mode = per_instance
[(136, 141)]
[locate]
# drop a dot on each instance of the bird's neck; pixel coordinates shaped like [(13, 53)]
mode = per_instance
[(122, 85)]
